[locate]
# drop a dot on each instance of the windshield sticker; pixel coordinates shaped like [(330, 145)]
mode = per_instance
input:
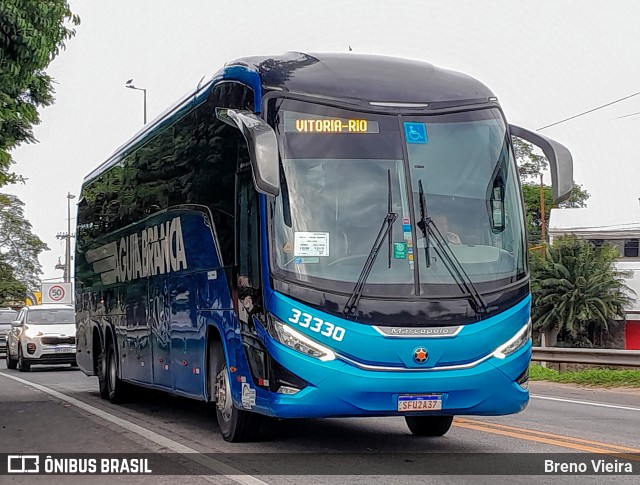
[(400, 250), (287, 247), (311, 244), (408, 237), (415, 132), (306, 260)]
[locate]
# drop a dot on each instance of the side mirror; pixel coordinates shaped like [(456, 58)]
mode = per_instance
[(262, 144), (560, 161), (16, 324)]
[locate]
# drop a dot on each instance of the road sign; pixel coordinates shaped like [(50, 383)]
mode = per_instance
[(56, 293), (34, 298)]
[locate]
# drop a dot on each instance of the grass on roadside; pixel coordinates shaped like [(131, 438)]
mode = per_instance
[(587, 377)]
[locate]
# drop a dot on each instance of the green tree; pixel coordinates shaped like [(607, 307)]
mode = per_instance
[(32, 32), (578, 295), (532, 207), (530, 165), (11, 290), (19, 247)]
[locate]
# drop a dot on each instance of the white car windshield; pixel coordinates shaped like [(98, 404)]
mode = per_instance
[(53, 317)]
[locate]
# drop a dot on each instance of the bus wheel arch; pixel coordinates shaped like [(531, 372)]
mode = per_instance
[(236, 425), (213, 336)]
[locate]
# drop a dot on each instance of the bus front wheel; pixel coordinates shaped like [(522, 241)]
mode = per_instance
[(235, 424), (429, 425)]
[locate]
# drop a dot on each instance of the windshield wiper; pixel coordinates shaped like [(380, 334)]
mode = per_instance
[(451, 262), (385, 231), (424, 223)]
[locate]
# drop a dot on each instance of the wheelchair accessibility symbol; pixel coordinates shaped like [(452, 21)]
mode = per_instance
[(415, 132)]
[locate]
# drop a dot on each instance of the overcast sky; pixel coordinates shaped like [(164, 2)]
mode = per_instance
[(544, 60)]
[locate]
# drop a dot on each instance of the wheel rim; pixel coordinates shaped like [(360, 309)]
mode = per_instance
[(223, 394), (112, 372)]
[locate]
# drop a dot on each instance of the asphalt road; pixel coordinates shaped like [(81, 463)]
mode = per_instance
[(59, 410)]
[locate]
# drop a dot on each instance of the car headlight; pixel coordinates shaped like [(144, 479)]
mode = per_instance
[(293, 339), (32, 332), (514, 343)]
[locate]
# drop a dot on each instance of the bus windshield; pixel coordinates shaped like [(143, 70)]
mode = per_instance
[(336, 167)]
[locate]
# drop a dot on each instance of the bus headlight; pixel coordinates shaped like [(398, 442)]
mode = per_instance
[(293, 339), (514, 343)]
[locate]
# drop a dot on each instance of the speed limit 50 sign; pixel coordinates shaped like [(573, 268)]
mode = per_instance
[(56, 293)]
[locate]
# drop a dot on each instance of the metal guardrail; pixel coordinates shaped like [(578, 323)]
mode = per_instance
[(627, 358)]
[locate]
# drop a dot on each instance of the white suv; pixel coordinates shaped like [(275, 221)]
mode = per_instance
[(42, 334), (7, 315)]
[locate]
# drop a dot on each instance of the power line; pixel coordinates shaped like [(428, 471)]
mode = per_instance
[(626, 116), (589, 111)]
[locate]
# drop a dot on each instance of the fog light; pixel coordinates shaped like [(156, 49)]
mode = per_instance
[(523, 380), (31, 347), (287, 390)]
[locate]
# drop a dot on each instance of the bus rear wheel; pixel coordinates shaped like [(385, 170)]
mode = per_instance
[(235, 424), (429, 425), (101, 372), (116, 389)]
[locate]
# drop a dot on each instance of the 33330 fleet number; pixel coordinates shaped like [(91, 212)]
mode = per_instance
[(318, 325)]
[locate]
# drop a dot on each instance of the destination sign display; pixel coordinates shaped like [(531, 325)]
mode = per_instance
[(316, 124)]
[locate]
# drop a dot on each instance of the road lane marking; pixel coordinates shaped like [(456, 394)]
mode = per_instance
[(587, 403), (216, 466), (516, 429), (540, 439)]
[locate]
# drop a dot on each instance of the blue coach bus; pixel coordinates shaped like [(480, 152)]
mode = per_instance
[(315, 236)]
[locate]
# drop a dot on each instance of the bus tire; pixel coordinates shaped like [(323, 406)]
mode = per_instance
[(235, 424), (429, 425), (11, 363), (101, 372), (116, 389)]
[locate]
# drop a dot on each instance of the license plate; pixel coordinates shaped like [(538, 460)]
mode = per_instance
[(424, 402), (63, 350)]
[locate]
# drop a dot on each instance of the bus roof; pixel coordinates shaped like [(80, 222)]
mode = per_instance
[(364, 80)]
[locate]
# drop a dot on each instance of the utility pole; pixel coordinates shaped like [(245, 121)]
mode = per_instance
[(542, 215), (67, 236)]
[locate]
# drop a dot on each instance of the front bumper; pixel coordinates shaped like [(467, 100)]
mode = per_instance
[(51, 359), (48, 354), (341, 389)]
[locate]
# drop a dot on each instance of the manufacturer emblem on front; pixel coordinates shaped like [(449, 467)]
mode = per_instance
[(420, 355)]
